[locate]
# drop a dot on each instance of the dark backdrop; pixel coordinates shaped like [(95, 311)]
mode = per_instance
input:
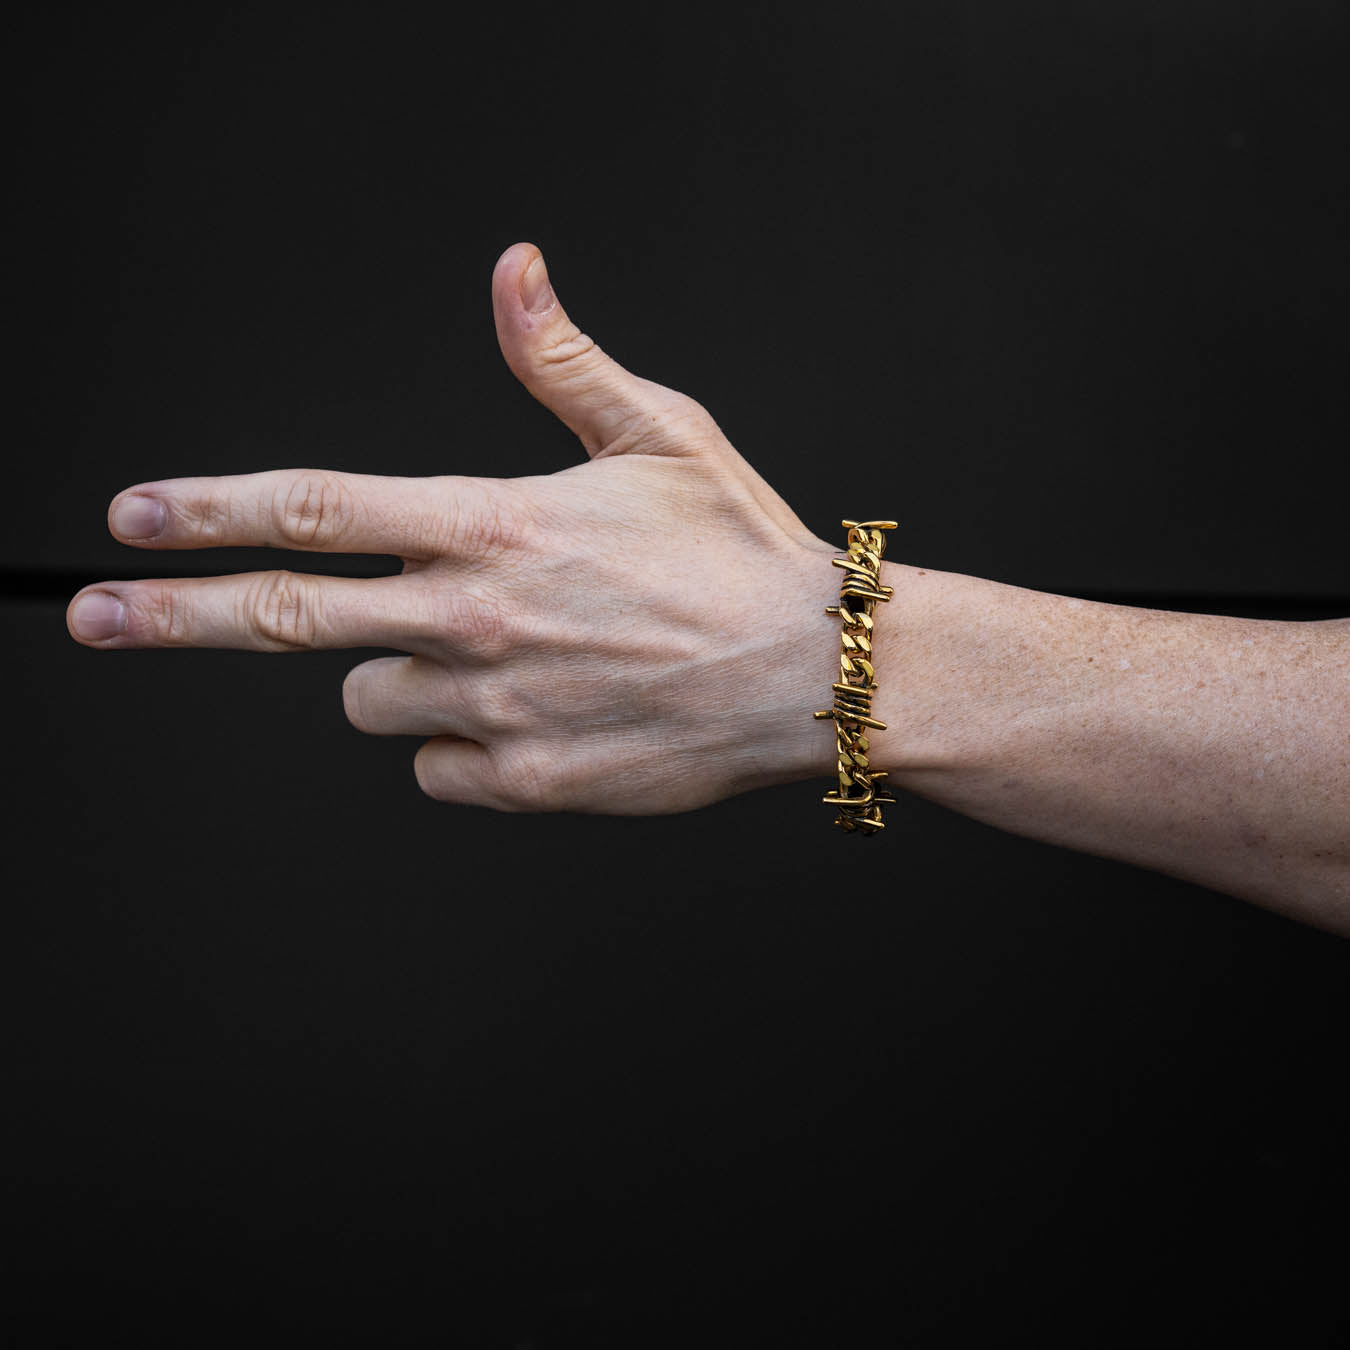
[(291, 1049)]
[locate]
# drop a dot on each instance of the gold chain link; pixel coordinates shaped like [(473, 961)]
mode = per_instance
[(858, 801)]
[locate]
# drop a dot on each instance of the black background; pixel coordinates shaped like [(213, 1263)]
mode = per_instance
[(292, 1050)]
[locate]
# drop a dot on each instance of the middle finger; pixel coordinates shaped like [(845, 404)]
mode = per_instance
[(256, 611)]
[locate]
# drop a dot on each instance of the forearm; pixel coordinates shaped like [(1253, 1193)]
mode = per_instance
[(1214, 749)]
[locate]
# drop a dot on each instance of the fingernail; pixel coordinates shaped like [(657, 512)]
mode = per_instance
[(98, 615), (139, 517), (535, 292)]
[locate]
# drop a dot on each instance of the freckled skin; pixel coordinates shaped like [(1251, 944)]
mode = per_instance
[(1212, 748)]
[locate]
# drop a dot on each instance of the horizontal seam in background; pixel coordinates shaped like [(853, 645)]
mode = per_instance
[(61, 584)]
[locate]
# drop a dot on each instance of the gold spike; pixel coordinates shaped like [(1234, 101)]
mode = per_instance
[(857, 799)]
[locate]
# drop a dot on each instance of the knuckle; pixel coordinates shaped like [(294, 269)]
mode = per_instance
[(169, 615), (693, 418), (479, 624), (280, 608), (486, 522), (206, 520), (355, 700), (427, 780), (443, 780), (370, 696), (514, 779), (312, 510), (527, 781), (496, 711), (688, 407), (567, 354), (662, 421)]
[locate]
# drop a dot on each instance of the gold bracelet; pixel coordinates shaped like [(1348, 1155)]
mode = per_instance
[(857, 799)]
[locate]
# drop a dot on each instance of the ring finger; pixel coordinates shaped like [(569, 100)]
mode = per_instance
[(405, 696)]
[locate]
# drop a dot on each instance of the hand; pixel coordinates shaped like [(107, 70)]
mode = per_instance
[(638, 634)]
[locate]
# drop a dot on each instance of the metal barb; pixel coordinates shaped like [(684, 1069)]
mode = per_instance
[(857, 801)]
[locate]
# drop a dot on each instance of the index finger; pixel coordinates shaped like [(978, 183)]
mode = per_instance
[(317, 510)]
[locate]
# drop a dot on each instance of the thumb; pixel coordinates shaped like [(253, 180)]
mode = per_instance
[(610, 409)]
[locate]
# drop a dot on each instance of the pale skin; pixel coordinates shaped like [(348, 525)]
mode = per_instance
[(662, 609)]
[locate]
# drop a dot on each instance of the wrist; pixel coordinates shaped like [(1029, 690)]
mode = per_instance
[(898, 624), (798, 660), (805, 660), (808, 746)]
